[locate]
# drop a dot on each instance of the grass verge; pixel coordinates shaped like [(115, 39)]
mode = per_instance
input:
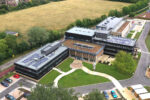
[(148, 41), (79, 78), (65, 65), (49, 77)]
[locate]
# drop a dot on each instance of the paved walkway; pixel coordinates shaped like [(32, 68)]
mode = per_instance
[(114, 81), (62, 75), (58, 70)]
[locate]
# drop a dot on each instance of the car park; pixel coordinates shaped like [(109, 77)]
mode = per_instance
[(106, 94), (5, 84), (10, 97), (114, 94), (8, 80), (16, 76)]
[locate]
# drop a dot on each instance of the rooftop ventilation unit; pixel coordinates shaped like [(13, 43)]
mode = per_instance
[(50, 48)]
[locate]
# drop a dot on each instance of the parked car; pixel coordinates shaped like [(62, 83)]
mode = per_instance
[(113, 93), (10, 97), (16, 76), (26, 94), (106, 94), (5, 84), (8, 80)]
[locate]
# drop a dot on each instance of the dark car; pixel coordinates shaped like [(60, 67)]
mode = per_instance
[(106, 95), (10, 97), (26, 94), (4, 83), (8, 80), (114, 94)]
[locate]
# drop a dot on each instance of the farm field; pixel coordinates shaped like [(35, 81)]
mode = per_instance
[(56, 15)]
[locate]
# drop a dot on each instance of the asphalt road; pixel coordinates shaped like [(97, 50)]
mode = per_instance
[(11, 62), (139, 75), (15, 85)]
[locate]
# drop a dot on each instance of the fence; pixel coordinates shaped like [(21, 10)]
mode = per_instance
[(5, 72)]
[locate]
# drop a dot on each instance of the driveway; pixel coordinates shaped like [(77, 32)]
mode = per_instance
[(138, 77)]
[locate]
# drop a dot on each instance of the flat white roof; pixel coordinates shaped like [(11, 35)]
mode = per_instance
[(145, 96), (140, 91), (138, 86), (81, 31)]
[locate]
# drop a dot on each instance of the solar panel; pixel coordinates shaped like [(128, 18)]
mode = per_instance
[(31, 57), (40, 62)]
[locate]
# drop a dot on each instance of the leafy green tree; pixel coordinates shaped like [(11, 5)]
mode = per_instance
[(23, 46), (37, 36), (78, 23), (42, 92), (94, 95), (132, 14), (124, 63), (3, 49), (2, 35), (11, 42), (125, 10)]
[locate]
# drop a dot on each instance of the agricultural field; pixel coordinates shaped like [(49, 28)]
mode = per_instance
[(56, 15)]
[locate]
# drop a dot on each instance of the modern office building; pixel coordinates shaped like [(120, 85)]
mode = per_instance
[(112, 44), (109, 23), (41, 61), (78, 33), (84, 50), (116, 26)]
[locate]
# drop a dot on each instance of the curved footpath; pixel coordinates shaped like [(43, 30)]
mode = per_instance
[(138, 77), (62, 75)]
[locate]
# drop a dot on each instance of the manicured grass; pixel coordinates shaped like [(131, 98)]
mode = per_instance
[(65, 65), (56, 15), (129, 35), (148, 88), (148, 41), (79, 78), (137, 35), (49, 77), (108, 70), (6, 76)]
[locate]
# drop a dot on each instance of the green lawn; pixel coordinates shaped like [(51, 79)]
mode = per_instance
[(108, 70), (49, 77), (129, 35), (148, 88), (6, 76), (79, 78), (65, 65), (148, 41), (137, 35)]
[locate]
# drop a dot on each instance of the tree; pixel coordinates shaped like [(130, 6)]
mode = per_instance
[(125, 10), (124, 63), (11, 42), (42, 92), (132, 14), (37, 36), (23, 46), (94, 95), (2, 35), (3, 49)]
